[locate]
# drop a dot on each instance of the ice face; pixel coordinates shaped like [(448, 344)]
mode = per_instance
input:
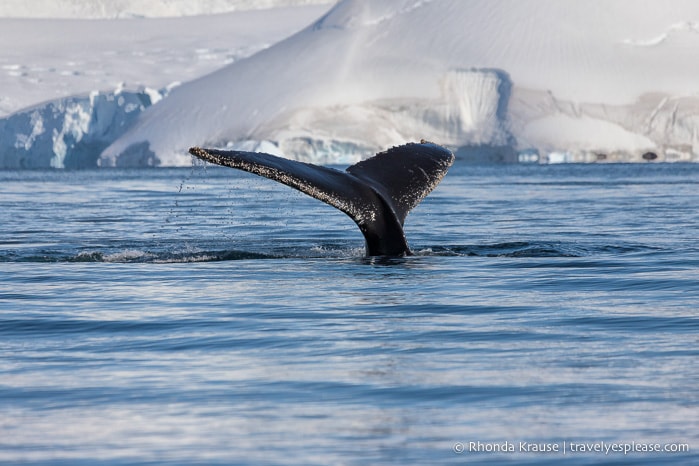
[(70, 132)]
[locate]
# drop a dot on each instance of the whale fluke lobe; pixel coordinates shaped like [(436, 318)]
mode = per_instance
[(376, 193)]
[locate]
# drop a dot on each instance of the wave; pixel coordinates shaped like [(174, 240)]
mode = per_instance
[(142, 253), (135, 256), (524, 249)]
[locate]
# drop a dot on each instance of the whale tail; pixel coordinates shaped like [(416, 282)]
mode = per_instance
[(376, 193)]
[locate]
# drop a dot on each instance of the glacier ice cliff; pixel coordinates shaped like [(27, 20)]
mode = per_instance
[(72, 132)]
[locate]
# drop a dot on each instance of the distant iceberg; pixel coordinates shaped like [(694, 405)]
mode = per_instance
[(496, 80)]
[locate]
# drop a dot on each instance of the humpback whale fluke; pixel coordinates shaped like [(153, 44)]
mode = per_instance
[(376, 193)]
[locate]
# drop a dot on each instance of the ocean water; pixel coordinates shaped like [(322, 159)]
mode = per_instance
[(207, 316)]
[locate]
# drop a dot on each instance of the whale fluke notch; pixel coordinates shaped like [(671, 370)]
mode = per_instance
[(377, 193)]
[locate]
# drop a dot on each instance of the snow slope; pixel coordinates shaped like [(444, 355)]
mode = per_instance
[(69, 87), (42, 60), (594, 77)]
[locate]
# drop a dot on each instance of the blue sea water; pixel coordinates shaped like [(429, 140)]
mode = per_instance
[(207, 316)]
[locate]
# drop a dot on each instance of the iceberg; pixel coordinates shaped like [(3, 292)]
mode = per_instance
[(602, 79), (495, 80)]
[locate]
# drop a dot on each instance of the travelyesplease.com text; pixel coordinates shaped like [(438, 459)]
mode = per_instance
[(569, 447)]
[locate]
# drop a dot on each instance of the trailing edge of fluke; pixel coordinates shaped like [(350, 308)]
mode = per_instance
[(377, 193)]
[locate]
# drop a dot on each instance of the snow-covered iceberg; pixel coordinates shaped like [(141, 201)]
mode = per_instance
[(556, 80), (598, 79)]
